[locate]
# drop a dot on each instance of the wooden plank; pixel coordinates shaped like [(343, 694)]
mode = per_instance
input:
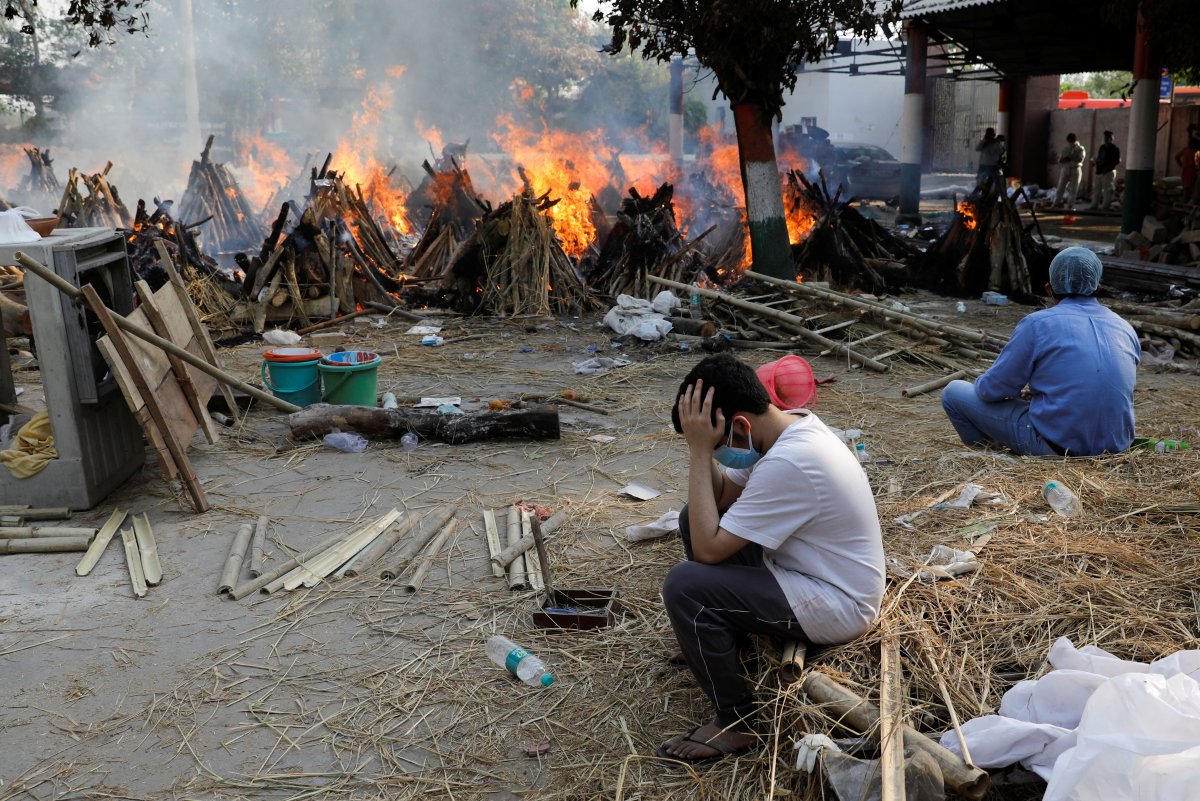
[(199, 329), (178, 369), (151, 401)]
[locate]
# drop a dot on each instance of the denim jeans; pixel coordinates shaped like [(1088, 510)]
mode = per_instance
[(1004, 423)]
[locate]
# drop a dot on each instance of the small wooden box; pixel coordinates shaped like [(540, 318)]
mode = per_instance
[(578, 609)]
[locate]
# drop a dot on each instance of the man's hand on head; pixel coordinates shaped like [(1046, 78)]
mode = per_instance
[(696, 418)]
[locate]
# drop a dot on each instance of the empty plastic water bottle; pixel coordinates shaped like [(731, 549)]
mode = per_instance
[(389, 400), (960, 308), (519, 662), (409, 441), (860, 451), (694, 310), (1061, 499)]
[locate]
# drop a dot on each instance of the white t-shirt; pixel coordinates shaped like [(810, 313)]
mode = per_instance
[(808, 504)]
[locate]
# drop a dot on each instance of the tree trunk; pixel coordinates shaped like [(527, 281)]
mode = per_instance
[(534, 422), (764, 193)]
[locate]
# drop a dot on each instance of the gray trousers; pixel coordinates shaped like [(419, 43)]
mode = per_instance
[(711, 608)]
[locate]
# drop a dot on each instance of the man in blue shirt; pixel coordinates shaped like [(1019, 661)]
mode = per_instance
[(1064, 383)]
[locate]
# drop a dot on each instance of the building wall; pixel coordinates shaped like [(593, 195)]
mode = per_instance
[(961, 111)]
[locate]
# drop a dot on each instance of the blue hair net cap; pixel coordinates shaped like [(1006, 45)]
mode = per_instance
[(1075, 271)]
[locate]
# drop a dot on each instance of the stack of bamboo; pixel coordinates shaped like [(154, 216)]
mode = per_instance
[(447, 205), (514, 265), (644, 240), (1177, 325), (513, 555), (102, 208), (151, 232), (985, 248), (213, 198), (843, 247)]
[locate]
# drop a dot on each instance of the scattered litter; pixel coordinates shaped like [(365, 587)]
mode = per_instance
[(639, 491), (969, 495), (525, 349), (943, 562), (345, 442), (599, 365), (642, 318), (432, 340), (605, 438), (994, 299), (536, 749), (277, 336), (409, 442), (435, 402), (809, 747), (424, 329), (661, 527), (449, 408)]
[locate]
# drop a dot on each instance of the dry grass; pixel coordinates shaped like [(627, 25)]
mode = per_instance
[(356, 690)]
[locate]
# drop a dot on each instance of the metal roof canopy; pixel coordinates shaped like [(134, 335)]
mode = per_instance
[(1026, 37)]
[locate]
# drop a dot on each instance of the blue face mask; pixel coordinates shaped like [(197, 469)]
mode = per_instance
[(737, 458)]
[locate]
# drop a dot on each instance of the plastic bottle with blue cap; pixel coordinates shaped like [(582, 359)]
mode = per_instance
[(519, 662)]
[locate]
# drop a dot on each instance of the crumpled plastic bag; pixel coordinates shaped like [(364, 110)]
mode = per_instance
[(854, 779), (661, 527), (598, 365), (14, 230), (969, 495), (32, 449), (345, 442), (943, 562), (280, 338), (642, 318), (1138, 732)]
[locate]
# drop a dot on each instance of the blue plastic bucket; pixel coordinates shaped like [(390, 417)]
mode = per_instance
[(291, 374), (350, 377)]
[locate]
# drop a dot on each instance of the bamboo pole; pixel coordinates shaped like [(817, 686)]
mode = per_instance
[(148, 548), (36, 514), (852, 710), (100, 542), (791, 663), (310, 575), (937, 674), (428, 528), (417, 578), (64, 286), (511, 552), (44, 545), (379, 546), (256, 546), (30, 532), (11, 521), (891, 721), (492, 533), (793, 322), (262, 582), (133, 560), (233, 562), (533, 561), (516, 569), (937, 383)]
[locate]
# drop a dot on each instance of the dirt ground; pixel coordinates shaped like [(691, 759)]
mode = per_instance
[(356, 689)]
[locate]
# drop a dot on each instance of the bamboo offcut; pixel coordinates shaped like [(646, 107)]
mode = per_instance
[(133, 560), (256, 546), (417, 578), (309, 575), (508, 554), (533, 562), (233, 562), (516, 569), (429, 528), (29, 532), (891, 721), (148, 548), (100, 542), (61, 513), (492, 534), (937, 383), (254, 585), (44, 545)]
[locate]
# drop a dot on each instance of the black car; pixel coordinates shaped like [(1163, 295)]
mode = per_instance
[(865, 171)]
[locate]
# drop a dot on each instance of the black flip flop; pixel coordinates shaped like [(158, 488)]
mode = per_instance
[(722, 750)]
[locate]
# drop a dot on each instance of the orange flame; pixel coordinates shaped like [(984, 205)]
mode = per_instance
[(355, 158), (967, 212), (396, 71), (267, 167)]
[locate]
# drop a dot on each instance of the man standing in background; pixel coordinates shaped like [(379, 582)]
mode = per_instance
[(1107, 159), (991, 150), (1070, 171)]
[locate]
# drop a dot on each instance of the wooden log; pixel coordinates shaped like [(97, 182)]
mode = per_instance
[(930, 386), (535, 422), (428, 529), (30, 532), (233, 561), (891, 721), (148, 549), (100, 542), (256, 546), (516, 568), (133, 561), (44, 545), (796, 324), (417, 577), (133, 329), (851, 710), (697, 328), (506, 556)]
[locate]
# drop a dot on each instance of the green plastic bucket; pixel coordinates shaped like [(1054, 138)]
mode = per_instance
[(349, 377), (291, 374)]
